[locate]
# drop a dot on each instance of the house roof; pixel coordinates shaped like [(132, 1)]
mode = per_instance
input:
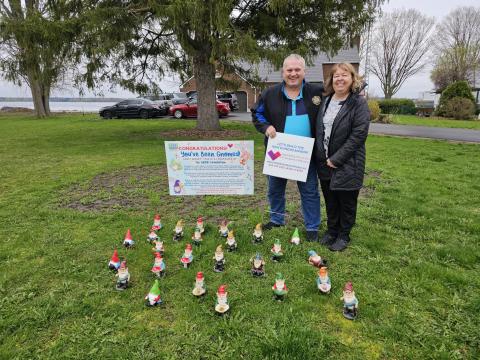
[(314, 73)]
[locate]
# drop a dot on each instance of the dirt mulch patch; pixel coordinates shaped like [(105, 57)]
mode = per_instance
[(146, 187)]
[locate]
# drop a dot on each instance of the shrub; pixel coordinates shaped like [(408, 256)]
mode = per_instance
[(384, 119), (457, 89), (374, 109), (397, 106), (459, 108)]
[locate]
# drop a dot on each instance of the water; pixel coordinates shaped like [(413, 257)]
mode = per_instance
[(79, 106)]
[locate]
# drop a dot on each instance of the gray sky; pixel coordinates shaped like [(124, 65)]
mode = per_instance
[(411, 89)]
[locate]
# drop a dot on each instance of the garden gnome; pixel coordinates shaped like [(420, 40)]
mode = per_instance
[(153, 297), (315, 259), (158, 247), (277, 252), (177, 187), (257, 234), (114, 262), (279, 288), (197, 236), (200, 287), (231, 242), (221, 305), (178, 232), (295, 237), (152, 236), (350, 302), (219, 260), (157, 222), (200, 224), (223, 228), (257, 265), (123, 276), (158, 266), (187, 256), (128, 241), (323, 280)]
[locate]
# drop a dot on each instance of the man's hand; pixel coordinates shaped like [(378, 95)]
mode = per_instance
[(330, 164), (270, 132)]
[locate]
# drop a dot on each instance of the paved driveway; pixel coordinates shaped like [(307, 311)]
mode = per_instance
[(463, 135)]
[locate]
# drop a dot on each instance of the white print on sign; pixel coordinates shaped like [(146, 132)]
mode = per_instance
[(288, 156)]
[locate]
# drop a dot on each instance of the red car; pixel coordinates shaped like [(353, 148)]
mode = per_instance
[(190, 109)]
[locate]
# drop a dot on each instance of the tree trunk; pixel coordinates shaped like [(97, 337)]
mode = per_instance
[(204, 72), (40, 96)]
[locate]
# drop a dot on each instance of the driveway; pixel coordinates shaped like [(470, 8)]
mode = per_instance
[(463, 135)]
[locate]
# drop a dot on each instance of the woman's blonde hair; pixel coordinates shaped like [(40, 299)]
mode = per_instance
[(356, 83)]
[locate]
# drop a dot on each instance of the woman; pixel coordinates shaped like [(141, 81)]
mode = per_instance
[(341, 132)]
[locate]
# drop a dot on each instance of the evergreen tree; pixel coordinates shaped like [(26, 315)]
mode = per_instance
[(213, 36)]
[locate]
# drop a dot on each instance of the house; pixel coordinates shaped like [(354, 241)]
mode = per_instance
[(247, 94)]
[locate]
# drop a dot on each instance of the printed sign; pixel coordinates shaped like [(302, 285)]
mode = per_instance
[(288, 156), (210, 167)]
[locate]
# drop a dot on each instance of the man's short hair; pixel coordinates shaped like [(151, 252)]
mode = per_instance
[(294, 57)]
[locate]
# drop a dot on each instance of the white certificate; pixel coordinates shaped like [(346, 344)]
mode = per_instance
[(288, 156)]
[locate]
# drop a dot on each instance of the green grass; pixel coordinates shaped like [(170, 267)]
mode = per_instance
[(414, 260), (435, 122)]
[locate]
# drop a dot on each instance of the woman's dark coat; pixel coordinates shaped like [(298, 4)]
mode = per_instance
[(346, 147)]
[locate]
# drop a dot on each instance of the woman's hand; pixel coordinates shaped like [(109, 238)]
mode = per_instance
[(330, 164)]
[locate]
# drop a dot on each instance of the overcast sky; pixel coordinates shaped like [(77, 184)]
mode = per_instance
[(412, 88)]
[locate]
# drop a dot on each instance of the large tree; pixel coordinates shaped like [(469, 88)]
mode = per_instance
[(457, 48), (213, 36), (38, 45), (399, 44)]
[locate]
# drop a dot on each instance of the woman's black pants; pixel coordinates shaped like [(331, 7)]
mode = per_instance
[(341, 209)]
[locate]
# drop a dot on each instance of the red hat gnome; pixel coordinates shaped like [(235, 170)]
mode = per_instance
[(128, 241), (123, 276), (152, 236), (221, 305), (158, 266), (187, 256), (157, 222), (200, 287), (200, 224), (114, 263), (350, 302)]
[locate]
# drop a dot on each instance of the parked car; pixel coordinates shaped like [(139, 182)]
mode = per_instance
[(190, 109), (229, 98), (163, 100), (139, 107), (177, 97), (226, 97)]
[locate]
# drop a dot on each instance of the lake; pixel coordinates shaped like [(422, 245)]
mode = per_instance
[(79, 106)]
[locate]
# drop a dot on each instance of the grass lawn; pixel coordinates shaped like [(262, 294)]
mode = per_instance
[(71, 186), (435, 122)]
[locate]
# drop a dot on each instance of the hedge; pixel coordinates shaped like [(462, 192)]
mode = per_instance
[(397, 106)]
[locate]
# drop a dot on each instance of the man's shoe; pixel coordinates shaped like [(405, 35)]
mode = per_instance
[(270, 225), (340, 244), (312, 236), (327, 239)]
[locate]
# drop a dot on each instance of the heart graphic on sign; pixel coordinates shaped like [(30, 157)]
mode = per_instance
[(273, 155), (230, 145)]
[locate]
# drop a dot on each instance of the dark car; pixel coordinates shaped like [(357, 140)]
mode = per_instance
[(190, 109), (131, 108), (163, 100)]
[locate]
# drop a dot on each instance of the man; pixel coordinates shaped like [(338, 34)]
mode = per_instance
[(291, 107)]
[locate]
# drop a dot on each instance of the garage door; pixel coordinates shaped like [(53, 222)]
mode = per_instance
[(242, 100)]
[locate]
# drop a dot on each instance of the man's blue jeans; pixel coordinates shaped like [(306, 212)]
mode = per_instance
[(308, 193)]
